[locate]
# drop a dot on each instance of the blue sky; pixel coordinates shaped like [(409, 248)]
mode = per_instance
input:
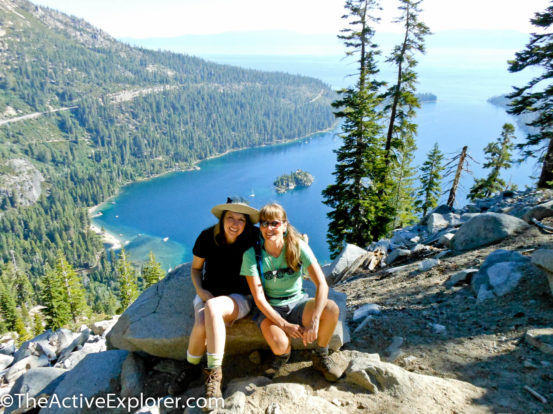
[(167, 18)]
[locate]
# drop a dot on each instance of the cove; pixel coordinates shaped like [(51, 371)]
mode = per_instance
[(166, 214)]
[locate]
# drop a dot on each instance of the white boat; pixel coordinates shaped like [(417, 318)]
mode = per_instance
[(165, 239)]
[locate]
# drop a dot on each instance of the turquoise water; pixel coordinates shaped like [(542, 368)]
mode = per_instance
[(166, 214)]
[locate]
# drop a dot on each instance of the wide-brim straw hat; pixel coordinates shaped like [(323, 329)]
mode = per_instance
[(237, 205)]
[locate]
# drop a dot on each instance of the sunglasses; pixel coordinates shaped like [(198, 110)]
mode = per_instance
[(277, 274), (274, 224)]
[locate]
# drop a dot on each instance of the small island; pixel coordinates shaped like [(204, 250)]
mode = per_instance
[(426, 97), (290, 181)]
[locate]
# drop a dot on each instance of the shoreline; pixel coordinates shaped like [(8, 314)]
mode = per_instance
[(107, 237)]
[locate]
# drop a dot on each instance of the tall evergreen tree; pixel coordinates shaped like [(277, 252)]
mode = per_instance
[(73, 287), (400, 97), (56, 310), (360, 200), (430, 179), (8, 307), (498, 158), (152, 271), (537, 96), (128, 285)]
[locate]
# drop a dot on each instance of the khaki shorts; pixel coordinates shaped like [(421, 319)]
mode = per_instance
[(244, 303)]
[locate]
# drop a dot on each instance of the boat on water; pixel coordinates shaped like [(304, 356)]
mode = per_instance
[(165, 239)]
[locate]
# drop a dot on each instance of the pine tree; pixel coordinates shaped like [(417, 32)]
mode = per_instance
[(38, 328), (152, 271), (498, 157), (128, 285), (23, 334), (401, 97), (431, 177), (360, 197), (8, 307), (404, 176), (537, 96), (56, 310), (72, 285)]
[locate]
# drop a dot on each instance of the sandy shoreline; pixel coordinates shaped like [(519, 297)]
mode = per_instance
[(107, 237)]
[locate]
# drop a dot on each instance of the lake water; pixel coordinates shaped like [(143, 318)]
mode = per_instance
[(166, 214)]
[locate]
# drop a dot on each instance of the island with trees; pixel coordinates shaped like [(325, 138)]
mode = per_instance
[(287, 182)]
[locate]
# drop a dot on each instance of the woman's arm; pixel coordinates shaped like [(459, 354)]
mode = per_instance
[(292, 330), (321, 297), (196, 276)]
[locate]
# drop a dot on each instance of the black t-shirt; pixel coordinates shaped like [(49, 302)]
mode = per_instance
[(222, 262)]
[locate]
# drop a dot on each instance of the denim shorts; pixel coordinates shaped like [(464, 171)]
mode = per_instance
[(291, 312), (244, 303)]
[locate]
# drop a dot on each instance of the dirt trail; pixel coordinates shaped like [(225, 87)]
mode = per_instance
[(483, 343)]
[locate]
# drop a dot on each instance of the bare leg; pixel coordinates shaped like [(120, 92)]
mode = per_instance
[(276, 338), (218, 311), (329, 320), (196, 343)]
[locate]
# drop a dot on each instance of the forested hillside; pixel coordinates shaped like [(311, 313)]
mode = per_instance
[(92, 114)]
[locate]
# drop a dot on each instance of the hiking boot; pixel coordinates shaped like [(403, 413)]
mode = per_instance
[(183, 380), (326, 365), (213, 394), (278, 362)]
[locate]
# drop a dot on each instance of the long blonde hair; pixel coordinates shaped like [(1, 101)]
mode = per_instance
[(274, 211)]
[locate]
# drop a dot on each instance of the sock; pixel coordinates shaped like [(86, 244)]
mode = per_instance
[(214, 360), (322, 350), (193, 359), (284, 357)]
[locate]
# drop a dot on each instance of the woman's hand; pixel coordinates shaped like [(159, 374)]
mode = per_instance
[(293, 330), (204, 295), (310, 332)]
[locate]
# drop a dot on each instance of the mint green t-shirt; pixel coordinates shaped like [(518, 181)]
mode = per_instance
[(279, 280)]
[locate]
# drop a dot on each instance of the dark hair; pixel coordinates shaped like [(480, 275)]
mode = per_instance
[(219, 229)]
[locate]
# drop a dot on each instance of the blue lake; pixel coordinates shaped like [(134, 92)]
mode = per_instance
[(166, 214)]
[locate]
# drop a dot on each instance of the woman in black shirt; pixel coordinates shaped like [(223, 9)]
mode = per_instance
[(222, 295)]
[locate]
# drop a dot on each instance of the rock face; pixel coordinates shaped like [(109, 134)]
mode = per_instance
[(161, 319), (35, 382), (97, 374), (22, 182), (485, 229)]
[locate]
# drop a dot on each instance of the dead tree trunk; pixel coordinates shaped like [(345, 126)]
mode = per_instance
[(451, 198)]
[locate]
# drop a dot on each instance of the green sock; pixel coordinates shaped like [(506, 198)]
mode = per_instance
[(214, 360), (193, 359)]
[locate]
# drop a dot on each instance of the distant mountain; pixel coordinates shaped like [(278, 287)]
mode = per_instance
[(284, 43), (92, 113)]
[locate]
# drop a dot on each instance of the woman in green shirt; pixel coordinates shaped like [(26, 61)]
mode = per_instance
[(274, 276)]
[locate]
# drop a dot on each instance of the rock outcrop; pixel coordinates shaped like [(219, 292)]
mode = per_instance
[(22, 183), (485, 229), (160, 320)]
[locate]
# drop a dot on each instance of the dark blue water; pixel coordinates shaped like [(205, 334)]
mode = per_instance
[(176, 207)]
